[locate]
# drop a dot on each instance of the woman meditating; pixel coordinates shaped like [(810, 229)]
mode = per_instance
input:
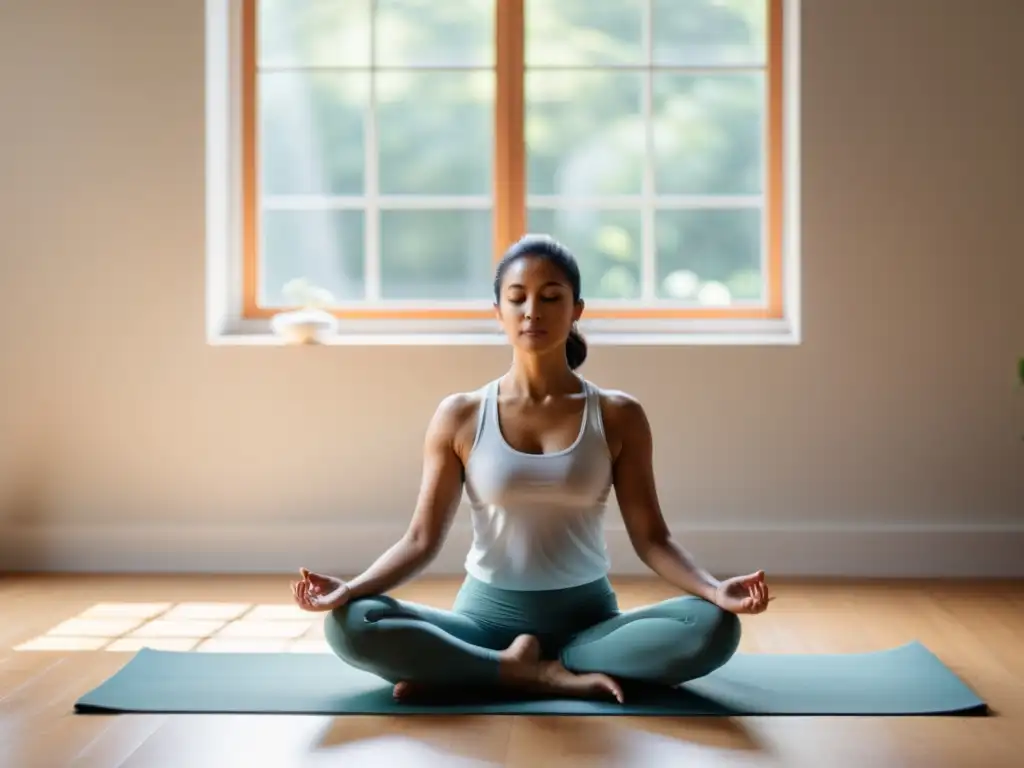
[(537, 452)]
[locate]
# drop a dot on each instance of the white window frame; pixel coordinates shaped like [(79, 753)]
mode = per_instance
[(225, 324)]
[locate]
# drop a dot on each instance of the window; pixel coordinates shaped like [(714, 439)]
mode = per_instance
[(388, 152)]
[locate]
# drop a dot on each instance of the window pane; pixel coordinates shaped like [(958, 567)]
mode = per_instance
[(311, 132), (435, 132), (436, 254), (710, 256), (708, 133), (583, 32), (435, 32), (324, 247), (322, 33), (584, 133), (709, 32), (606, 245)]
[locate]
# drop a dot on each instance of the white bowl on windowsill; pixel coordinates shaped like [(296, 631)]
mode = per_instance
[(304, 326)]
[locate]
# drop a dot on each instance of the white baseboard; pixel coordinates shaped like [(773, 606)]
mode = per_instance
[(864, 552)]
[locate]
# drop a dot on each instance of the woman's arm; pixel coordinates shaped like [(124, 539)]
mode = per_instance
[(439, 496), (633, 454)]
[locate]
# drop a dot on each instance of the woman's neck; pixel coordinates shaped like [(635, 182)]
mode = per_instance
[(536, 377)]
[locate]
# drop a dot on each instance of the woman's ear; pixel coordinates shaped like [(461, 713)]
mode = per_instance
[(577, 312)]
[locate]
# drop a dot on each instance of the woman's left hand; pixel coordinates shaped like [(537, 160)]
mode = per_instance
[(743, 594)]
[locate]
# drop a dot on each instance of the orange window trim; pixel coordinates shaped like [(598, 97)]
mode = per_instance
[(638, 313), (509, 190)]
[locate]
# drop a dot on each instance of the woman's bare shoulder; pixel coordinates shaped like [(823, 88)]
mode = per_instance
[(623, 416), (619, 406), (458, 407), (456, 418)]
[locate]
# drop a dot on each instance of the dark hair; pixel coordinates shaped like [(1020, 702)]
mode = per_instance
[(546, 247)]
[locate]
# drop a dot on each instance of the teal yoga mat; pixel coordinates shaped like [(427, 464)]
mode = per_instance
[(907, 680)]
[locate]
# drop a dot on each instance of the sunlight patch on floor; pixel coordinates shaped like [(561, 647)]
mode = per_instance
[(57, 643), (79, 627), (279, 612), (114, 610), (253, 629), (136, 644), (162, 628), (193, 611), (243, 645), (203, 627)]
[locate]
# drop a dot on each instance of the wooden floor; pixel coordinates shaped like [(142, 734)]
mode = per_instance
[(62, 635)]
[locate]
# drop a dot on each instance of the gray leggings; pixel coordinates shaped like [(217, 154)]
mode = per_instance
[(667, 643)]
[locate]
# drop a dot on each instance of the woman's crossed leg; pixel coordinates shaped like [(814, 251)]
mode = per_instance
[(665, 643), (417, 647)]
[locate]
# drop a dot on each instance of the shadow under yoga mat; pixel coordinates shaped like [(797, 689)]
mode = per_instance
[(907, 680)]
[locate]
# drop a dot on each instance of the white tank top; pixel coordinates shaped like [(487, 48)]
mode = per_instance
[(538, 518)]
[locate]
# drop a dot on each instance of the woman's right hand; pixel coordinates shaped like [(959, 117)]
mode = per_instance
[(316, 592), (743, 594)]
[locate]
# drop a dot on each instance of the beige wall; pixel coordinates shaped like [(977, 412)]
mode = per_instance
[(888, 442)]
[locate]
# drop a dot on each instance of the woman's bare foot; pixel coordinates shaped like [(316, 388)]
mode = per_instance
[(525, 649), (522, 668), (405, 690), (553, 678)]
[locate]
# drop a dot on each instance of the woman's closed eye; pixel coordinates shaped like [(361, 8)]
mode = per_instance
[(545, 299)]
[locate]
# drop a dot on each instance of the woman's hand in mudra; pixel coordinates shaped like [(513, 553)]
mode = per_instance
[(316, 592), (743, 594)]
